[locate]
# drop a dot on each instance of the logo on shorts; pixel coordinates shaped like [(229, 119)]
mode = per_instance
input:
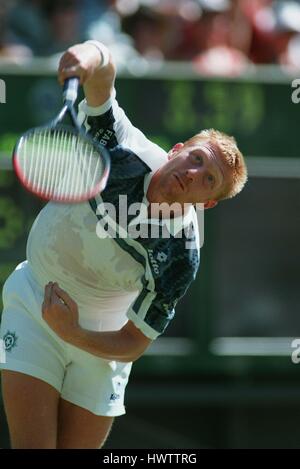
[(114, 396), (10, 340)]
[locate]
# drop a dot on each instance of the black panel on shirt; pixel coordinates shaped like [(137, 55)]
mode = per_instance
[(102, 128)]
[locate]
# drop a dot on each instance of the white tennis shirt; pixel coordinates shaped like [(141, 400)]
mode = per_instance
[(99, 274)]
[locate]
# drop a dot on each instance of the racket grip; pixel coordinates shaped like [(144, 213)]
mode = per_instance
[(70, 90)]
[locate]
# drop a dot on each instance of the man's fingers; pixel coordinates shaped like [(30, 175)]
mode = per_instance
[(65, 62), (63, 295), (47, 297), (72, 71), (68, 72), (79, 60)]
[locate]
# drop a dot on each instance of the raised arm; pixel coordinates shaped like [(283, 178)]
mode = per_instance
[(92, 62)]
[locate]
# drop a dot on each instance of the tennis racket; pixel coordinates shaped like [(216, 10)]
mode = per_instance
[(59, 161)]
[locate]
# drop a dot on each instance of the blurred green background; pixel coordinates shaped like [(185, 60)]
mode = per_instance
[(222, 374)]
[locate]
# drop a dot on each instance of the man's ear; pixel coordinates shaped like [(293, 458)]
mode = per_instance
[(176, 148), (210, 204)]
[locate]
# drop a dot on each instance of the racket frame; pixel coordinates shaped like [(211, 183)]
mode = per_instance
[(76, 129)]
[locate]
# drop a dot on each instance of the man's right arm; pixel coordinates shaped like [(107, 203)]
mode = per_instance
[(93, 64), (100, 113)]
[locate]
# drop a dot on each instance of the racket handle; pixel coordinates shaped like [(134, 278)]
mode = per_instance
[(70, 90)]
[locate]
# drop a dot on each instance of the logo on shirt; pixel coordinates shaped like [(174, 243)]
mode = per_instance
[(103, 136), (160, 257), (10, 340)]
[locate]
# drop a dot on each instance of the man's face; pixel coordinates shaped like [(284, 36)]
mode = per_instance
[(193, 174)]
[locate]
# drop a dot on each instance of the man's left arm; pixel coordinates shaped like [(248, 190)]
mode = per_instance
[(126, 345), (60, 312), (148, 316)]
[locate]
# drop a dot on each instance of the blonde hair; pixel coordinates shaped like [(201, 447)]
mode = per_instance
[(231, 156)]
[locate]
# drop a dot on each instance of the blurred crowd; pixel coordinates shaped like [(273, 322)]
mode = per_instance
[(216, 36)]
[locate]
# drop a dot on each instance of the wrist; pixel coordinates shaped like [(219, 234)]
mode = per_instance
[(103, 51), (74, 336)]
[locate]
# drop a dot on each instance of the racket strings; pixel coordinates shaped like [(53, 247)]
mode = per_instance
[(59, 165)]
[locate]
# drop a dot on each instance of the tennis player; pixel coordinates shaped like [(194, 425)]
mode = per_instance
[(88, 301)]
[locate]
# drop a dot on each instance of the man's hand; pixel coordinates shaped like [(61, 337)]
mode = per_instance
[(84, 61), (60, 312), (81, 61)]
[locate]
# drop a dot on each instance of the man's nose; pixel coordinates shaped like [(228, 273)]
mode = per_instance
[(192, 174)]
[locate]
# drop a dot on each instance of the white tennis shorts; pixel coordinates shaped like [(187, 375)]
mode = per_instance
[(31, 347)]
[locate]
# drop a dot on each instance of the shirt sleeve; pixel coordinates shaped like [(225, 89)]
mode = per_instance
[(167, 278), (109, 125)]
